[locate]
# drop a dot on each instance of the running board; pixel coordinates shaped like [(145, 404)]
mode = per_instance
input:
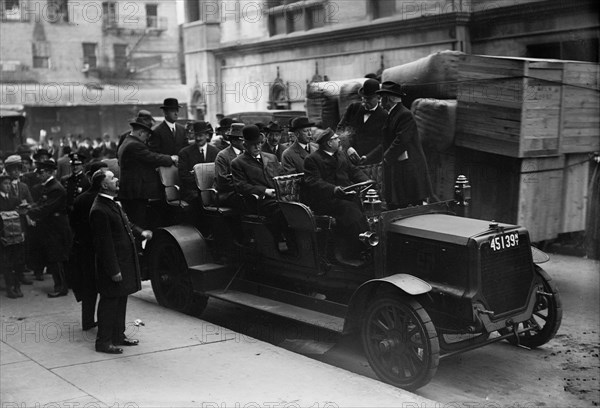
[(275, 307)]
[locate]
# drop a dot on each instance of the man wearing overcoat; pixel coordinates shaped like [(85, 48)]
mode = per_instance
[(168, 137), (405, 168), (223, 178), (293, 157), (118, 269), (363, 122), (272, 144), (77, 182)]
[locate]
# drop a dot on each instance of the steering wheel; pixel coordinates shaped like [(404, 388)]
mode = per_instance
[(359, 187)]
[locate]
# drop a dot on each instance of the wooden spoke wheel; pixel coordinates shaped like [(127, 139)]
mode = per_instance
[(546, 318), (170, 278), (400, 342)]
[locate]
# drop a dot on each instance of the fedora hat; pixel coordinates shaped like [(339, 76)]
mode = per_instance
[(146, 116), (235, 130), (201, 126), (170, 103), (251, 134), (273, 127), (49, 164), (141, 123), (391, 88), (225, 123), (39, 153), (13, 160), (300, 122), (369, 88)]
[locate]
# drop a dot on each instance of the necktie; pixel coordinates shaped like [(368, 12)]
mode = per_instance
[(307, 149), (201, 155), (259, 160)]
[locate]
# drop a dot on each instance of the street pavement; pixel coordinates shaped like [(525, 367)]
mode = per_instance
[(46, 360)]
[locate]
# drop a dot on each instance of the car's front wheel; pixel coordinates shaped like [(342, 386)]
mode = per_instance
[(400, 342)]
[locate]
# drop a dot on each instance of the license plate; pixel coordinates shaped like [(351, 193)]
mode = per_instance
[(504, 241)]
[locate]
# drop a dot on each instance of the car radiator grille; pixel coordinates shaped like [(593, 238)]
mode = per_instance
[(506, 277)]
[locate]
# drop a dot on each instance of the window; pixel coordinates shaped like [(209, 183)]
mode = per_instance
[(120, 51), (152, 15), (382, 8), (58, 11), (287, 17), (41, 54), (12, 10), (109, 14), (192, 10), (89, 55)]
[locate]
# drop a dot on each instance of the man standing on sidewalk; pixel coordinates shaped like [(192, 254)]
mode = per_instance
[(118, 268)]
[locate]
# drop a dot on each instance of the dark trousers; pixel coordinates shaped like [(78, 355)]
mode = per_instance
[(88, 310), (111, 320), (58, 274)]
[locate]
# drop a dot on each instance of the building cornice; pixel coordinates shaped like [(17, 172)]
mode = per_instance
[(361, 32), (532, 10)]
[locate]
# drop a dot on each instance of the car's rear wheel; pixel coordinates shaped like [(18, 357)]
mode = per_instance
[(170, 279), (400, 342), (546, 318)]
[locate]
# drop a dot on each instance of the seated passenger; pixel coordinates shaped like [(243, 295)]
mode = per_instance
[(326, 171), (226, 195)]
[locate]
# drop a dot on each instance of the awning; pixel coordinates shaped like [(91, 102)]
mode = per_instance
[(90, 94)]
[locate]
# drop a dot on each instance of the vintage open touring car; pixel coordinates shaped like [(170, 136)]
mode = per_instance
[(430, 283)]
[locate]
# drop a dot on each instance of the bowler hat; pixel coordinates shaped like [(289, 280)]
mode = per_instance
[(391, 88), (225, 123), (251, 134), (300, 122), (323, 136), (13, 160), (201, 127), (95, 166), (273, 127), (76, 158), (170, 103), (140, 123), (235, 131), (40, 152), (49, 164), (369, 88)]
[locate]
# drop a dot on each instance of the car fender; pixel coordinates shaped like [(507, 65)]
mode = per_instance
[(405, 283), (190, 241), (539, 256)]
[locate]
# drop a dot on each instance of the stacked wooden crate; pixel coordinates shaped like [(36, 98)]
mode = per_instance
[(537, 119)]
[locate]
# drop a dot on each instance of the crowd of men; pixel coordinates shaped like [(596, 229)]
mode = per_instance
[(83, 222)]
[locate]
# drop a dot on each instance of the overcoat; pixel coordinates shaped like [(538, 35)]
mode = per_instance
[(293, 157), (277, 151), (223, 177), (52, 224), (188, 157), (137, 163), (115, 248), (163, 140), (365, 137), (252, 177), (406, 181)]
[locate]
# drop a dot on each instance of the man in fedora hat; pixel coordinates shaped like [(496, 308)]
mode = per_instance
[(293, 157), (168, 137), (223, 179), (363, 122), (50, 215), (272, 144), (139, 181), (406, 174), (199, 152), (145, 117), (77, 182)]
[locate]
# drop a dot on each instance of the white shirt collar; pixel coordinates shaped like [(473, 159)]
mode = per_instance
[(303, 145), (170, 125), (47, 181), (236, 150), (107, 196), (3, 194), (329, 153)]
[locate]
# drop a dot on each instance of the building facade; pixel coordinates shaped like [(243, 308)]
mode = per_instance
[(260, 54), (85, 67)]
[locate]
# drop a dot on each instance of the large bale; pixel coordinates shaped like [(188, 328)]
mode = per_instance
[(436, 122), (349, 93), (322, 103), (434, 76)]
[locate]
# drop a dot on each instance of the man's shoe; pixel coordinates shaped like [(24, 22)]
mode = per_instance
[(110, 349), (89, 326), (10, 292), (25, 281), (129, 342), (58, 294)]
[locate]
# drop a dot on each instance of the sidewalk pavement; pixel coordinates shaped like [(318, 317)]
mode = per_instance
[(46, 360)]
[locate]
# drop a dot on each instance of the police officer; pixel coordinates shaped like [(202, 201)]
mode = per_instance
[(77, 182)]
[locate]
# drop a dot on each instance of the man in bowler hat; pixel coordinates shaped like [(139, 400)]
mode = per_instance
[(50, 215), (273, 135), (363, 123), (406, 175), (168, 137), (118, 268), (293, 157)]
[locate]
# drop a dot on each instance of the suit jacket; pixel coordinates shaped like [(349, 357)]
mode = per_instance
[(223, 178), (188, 157), (252, 177), (115, 249), (50, 215), (322, 173), (293, 157), (22, 192), (137, 163), (163, 141), (406, 181), (365, 137), (278, 151)]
